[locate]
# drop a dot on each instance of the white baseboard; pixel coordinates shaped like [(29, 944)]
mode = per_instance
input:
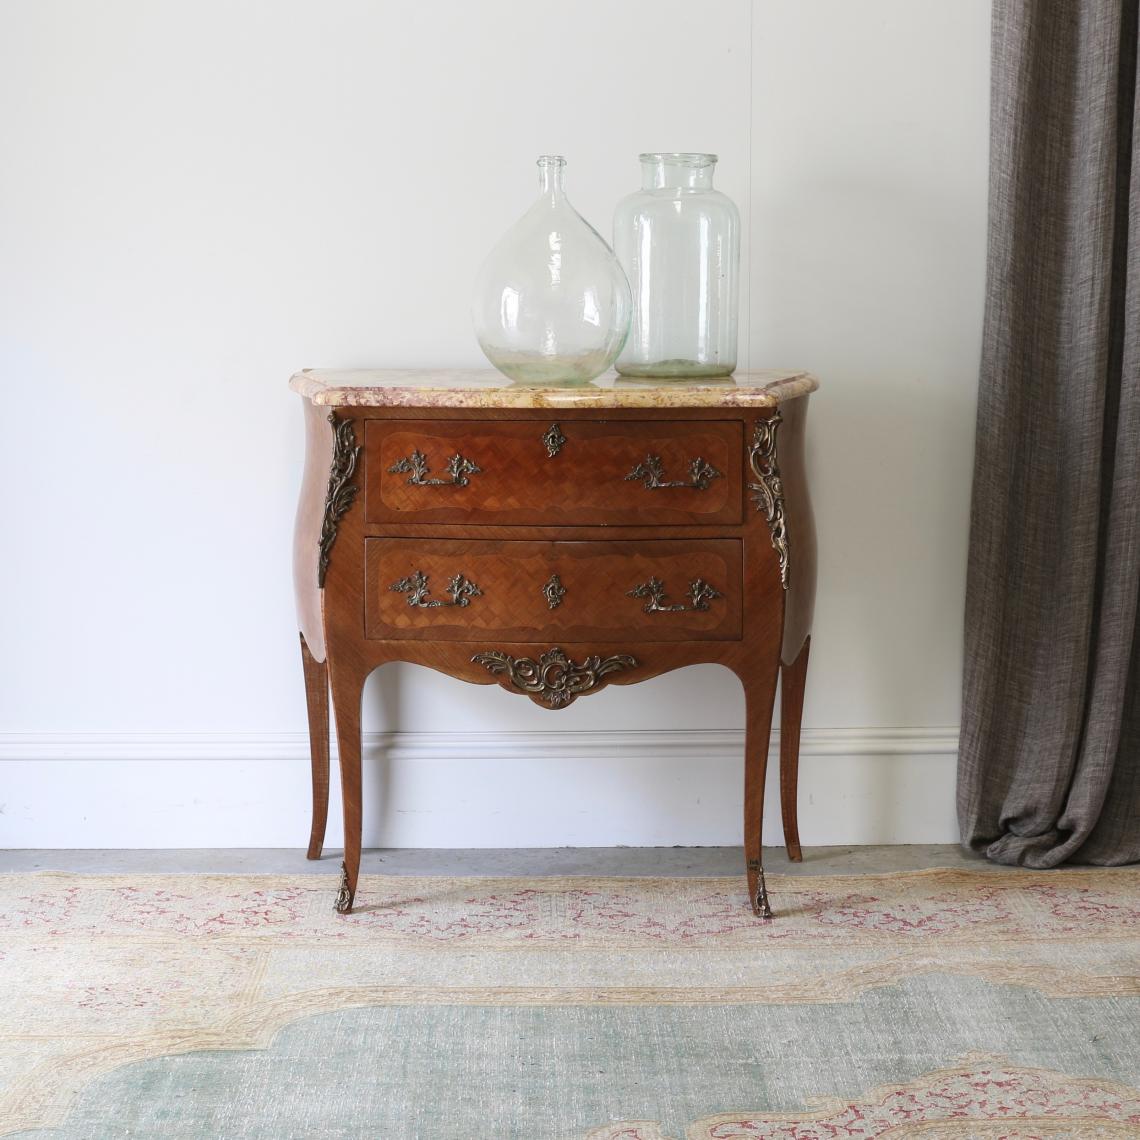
[(522, 789)]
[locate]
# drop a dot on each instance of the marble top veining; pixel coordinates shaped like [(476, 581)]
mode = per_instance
[(456, 388)]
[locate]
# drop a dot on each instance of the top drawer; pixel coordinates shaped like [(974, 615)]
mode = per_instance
[(552, 473)]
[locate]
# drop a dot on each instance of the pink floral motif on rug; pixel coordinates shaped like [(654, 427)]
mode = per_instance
[(975, 1101), (915, 908)]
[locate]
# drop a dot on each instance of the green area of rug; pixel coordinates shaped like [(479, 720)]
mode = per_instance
[(242, 1006), (534, 1073)]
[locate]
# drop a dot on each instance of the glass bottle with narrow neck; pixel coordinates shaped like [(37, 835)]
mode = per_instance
[(552, 176), (678, 240), (551, 302)]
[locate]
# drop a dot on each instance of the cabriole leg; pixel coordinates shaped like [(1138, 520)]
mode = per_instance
[(317, 700), (347, 690), (793, 679), (760, 695)]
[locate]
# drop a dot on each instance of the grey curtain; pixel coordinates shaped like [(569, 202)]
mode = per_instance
[(1049, 761)]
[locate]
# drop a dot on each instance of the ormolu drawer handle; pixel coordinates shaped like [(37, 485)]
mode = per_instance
[(416, 587), (458, 469), (652, 471), (700, 594)]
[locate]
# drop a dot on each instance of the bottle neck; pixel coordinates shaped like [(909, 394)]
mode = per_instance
[(677, 171), (552, 175)]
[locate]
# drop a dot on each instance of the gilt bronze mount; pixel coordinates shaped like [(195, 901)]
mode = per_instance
[(761, 907), (700, 594), (343, 902), (768, 490), (458, 469), (652, 471), (553, 591), (554, 679), (460, 589), (341, 492), (554, 439)]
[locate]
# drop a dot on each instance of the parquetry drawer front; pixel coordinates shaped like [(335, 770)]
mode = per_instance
[(461, 589), (554, 472)]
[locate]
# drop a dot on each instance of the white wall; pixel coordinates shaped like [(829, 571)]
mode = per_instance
[(196, 199)]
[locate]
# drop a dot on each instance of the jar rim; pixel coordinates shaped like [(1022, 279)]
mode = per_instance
[(550, 160), (679, 158)]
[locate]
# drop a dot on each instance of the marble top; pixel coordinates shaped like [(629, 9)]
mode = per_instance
[(431, 388)]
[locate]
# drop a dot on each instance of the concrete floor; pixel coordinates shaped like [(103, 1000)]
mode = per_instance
[(491, 862)]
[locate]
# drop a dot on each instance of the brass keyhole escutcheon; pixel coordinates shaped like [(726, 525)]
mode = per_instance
[(553, 591), (554, 440)]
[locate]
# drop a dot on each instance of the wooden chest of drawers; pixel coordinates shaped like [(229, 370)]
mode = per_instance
[(554, 540)]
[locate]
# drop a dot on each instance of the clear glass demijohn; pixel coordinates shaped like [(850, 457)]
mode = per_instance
[(678, 240), (551, 302)]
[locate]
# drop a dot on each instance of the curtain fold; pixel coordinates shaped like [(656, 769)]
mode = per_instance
[(1049, 758)]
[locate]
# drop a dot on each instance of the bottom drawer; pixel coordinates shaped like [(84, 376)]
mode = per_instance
[(464, 590)]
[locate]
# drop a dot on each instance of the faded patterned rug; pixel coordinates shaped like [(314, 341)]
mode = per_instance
[(928, 1004)]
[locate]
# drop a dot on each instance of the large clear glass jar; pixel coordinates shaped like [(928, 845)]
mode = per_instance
[(678, 240), (551, 302)]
